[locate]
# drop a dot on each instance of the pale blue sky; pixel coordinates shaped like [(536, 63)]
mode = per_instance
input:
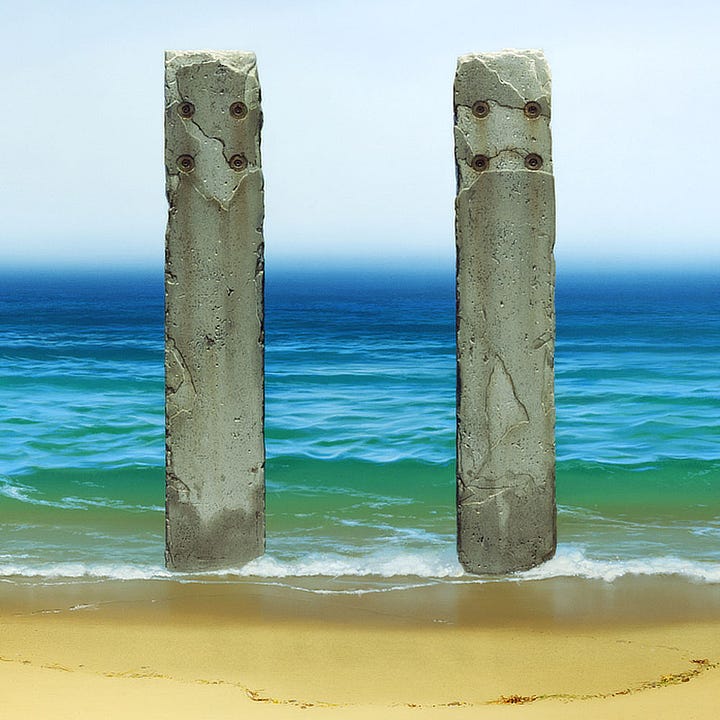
[(357, 143)]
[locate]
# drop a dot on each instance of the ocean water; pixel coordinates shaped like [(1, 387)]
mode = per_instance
[(360, 422)]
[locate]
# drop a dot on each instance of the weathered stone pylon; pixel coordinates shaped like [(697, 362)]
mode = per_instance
[(214, 344), (505, 232)]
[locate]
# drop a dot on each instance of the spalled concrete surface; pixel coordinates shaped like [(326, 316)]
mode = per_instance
[(505, 232), (214, 344)]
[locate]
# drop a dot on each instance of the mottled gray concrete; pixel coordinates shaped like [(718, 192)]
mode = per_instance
[(215, 456), (505, 232)]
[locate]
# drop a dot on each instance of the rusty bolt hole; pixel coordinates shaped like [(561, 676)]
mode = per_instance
[(238, 162), (533, 161), (186, 163), (186, 109), (481, 109), (238, 110), (480, 163), (533, 109)]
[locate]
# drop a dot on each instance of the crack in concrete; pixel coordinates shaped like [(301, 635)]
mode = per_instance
[(175, 483), (508, 107), (541, 340), (172, 392), (506, 376), (500, 81), (210, 137)]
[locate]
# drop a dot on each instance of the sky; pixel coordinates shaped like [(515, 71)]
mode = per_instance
[(357, 141)]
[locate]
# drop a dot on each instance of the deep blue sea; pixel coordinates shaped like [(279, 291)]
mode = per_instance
[(360, 428)]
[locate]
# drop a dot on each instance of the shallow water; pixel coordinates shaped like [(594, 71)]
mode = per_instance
[(360, 428)]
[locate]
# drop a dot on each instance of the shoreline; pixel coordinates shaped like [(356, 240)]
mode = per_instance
[(549, 648), (547, 603)]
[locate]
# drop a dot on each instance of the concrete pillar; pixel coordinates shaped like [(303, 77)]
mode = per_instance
[(505, 232), (214, 345)]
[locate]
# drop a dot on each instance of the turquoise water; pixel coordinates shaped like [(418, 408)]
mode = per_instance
[(360, 379)]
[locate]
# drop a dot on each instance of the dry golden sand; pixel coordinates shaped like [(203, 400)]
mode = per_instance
[(560, 649)]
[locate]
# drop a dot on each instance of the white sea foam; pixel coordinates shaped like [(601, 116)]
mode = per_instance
[(573, 562), (384, 566), (29, 495), (76, 570), (707, 531)]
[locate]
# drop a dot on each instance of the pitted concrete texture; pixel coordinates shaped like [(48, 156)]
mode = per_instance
[(505, 232), (214, 344)]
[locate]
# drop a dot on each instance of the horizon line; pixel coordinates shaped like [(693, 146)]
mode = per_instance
[(367, 266)]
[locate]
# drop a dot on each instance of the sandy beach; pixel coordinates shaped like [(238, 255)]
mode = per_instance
[(556, 648)]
